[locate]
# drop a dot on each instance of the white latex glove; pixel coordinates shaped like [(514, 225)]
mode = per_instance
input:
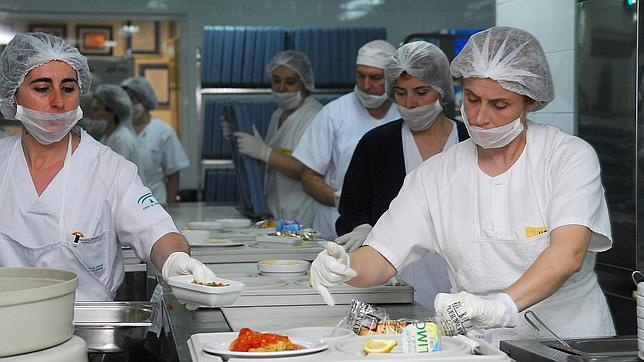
[(180, 263), (337, 195), (461, 312), (330, 267), (354, 239), (253, 145), (226, 129)]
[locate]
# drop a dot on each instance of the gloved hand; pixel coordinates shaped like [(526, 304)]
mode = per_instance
[(180, 263), (253, 145), (226, 128), (460, 312), (354, 239), (330, 267)]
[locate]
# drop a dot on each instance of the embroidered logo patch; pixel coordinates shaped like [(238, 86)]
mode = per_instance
[(147, 201)]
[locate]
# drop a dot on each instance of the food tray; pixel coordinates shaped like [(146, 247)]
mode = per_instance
[(113, 326), (185, 290), (350, 349)]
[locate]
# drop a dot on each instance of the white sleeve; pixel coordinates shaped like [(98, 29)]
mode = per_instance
[(405, 232), (577, 193), (139, 219), (315, 148), (174, 157)]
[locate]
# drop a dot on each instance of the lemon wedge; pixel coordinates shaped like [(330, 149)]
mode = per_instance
[(379, 345)]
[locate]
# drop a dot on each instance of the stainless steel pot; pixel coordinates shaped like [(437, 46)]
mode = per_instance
[(36, 308)]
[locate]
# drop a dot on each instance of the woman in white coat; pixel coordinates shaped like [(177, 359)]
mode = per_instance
[(518, 211), (74, 202), (112, 110), (292, 82)]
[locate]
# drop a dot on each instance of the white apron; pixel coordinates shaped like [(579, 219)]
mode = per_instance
[(54, 253), (566, 310)]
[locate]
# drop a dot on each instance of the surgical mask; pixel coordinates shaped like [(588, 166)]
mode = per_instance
[(494, 137), (288, 100), (421, 118), (137, 111), (48, 128), (370, 100)]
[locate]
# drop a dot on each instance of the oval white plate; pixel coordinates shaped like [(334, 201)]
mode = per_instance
[(283, 266), (254, 283), (235, 223), (205, 225), (311, 345), (220, 243)]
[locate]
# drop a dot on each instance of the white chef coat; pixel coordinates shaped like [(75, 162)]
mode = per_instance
[(327, 146), (429, 274), (448, 207), (285, 196), (98, 194), (167, 156)]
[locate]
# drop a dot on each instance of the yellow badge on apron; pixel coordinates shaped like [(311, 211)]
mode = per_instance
[(531, 231)]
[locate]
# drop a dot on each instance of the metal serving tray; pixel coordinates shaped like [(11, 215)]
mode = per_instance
[(109, 327)]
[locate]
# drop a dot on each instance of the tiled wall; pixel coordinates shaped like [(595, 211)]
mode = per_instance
[(553, 23)]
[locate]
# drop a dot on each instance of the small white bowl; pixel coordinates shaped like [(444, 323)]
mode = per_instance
[(640, 289), (640, 322), (640, 344), (186, 290), (640, 333), (640, 312), (206, 225), (235, 223), (640, 301), (195, 237)]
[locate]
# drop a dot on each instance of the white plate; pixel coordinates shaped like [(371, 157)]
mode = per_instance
[(324, 333), (278, 239), (219, 243), (195, 237), (205, 225), (283, 266), (235, 223), (299, 245), (311, 345)]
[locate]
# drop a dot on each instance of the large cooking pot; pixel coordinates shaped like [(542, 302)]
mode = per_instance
[(36, 308)]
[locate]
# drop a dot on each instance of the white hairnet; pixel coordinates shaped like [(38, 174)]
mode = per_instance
[(115, 99), (424, 61), (142, 88), (297, 61), (31, 50), (375, 53), (510, 56)]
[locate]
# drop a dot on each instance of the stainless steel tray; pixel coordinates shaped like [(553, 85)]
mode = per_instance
[(113, 326)]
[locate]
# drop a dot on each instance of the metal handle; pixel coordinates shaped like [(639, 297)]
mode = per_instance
[(534, 315), (637, 272)]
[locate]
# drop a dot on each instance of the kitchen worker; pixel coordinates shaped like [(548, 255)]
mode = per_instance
[(328, 143), (518, 211), (111, 109), (158, 139), (72, 202), (292, 83), (418, 80)]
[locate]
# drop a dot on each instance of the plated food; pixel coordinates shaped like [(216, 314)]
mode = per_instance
[(186, 290), (251, 341), (212, 284)]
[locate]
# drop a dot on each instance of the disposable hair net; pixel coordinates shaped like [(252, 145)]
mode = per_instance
[(116, 99), (28, 51), (297, 61), (512, 57), (142, 88), (375, 53), (424, 61)]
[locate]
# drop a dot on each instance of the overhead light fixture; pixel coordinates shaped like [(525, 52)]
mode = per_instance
[(130, 28)]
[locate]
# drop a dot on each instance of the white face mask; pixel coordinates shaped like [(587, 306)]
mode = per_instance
[(494, 137), (48, 128), (288, 100), (421, 118), (370, 101), (137, 111)]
